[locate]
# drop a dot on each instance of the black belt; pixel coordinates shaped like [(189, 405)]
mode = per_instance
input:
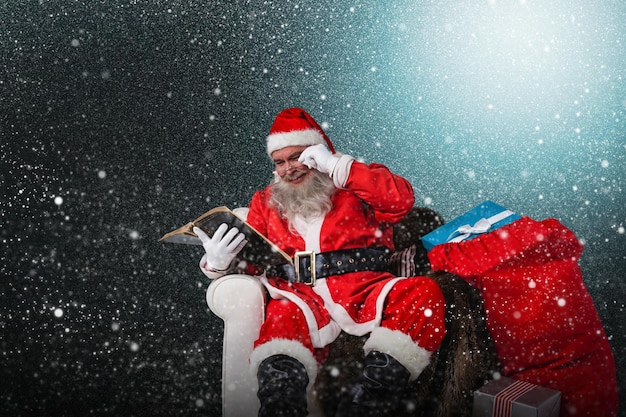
[(331, 263)]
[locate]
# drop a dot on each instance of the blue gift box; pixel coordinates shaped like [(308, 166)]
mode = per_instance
[(485, 217)]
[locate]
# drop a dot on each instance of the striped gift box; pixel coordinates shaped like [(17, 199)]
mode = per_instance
[(507, 397)]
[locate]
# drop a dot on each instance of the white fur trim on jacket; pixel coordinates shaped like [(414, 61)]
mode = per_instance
[(277, 141), (342, 170), (343, 319), (320, 337), (401, 347)]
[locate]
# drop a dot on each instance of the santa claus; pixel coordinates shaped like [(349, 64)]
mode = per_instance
[(335, 216)]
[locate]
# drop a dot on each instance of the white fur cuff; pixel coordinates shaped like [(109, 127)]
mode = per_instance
[(285, 347), (401, 347), (341, 171)]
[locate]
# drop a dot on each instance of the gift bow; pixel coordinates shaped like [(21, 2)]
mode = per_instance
[(481, 226)]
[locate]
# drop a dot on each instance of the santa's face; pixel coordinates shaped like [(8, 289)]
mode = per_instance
[(288, 168)]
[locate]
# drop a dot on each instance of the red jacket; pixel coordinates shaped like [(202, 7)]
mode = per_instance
[(363, 212), (543, 320)]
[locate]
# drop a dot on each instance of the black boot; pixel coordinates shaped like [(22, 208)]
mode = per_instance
[(282, 387), (378, 391)]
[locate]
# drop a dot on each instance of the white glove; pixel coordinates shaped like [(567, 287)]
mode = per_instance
[(319, 157), (222, 248)]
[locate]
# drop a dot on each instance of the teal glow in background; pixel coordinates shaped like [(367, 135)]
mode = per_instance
[(122, 120)]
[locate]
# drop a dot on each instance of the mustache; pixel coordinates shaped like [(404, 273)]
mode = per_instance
[(293, 174)]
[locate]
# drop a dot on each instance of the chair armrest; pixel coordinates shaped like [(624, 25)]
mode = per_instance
[(239, 300)]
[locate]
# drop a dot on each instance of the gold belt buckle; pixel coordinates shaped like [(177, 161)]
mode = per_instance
[(296, 266)]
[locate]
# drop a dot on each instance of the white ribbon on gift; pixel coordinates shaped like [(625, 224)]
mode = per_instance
[(481, 226)]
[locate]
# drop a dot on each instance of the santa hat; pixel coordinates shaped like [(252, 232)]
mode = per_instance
[(295, 127)]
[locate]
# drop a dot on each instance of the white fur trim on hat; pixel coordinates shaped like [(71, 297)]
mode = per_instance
[(401, 347), (277, 141)]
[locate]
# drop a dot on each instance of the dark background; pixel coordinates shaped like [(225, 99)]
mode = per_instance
[(122, 120)]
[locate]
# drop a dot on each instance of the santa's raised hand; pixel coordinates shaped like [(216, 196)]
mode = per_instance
[(320, 158)]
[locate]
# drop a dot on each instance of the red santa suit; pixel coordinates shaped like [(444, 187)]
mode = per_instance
[(404, 316), (543, 320)]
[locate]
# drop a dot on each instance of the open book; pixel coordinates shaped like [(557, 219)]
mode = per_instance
[(259, 251)]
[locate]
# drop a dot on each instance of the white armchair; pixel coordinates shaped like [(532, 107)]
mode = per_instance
[(239, 300)]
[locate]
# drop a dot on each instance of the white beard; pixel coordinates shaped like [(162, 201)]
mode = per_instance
[(309, 200)]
